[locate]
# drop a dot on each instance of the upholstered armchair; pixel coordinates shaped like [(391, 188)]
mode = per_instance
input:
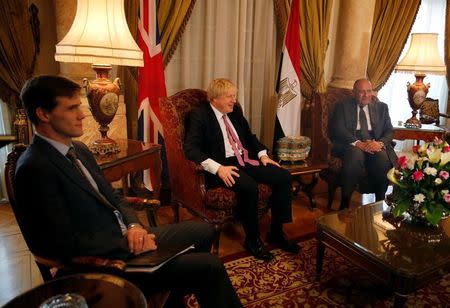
[(187, 179), (332, 175), (49, 268)]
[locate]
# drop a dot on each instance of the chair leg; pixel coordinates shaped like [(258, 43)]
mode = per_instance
[(176, 211), (215, 245), (331, 193)]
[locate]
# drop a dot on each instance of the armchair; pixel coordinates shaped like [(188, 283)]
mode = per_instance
[(49, 268), (186, 178)]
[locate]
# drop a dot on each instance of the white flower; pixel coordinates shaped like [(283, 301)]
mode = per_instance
[(419, 198), (444, 191), (445, 158), (438, 181), (430, 171)]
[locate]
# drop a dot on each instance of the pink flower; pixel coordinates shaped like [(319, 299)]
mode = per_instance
[(446, 149), (417, 176), (402, 162), (447, 198), (444, 174), (415, 148)]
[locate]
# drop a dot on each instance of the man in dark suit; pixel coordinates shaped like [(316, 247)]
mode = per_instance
[(361, 131), (219, 138), (66, 208)]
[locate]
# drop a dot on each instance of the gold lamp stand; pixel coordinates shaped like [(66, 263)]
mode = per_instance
[(103, 99)]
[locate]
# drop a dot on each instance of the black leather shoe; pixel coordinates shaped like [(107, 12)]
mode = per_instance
[(257, 249), (280, 241)]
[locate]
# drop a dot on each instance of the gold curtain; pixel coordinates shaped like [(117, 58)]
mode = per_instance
[(315, 18), (447, 50), (172, 19), (18, 52), (392, 23)]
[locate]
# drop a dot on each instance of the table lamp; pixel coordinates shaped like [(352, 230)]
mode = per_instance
[(99, 35), (422, 58)]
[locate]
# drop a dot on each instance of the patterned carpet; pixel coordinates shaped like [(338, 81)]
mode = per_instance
[(289, 281)]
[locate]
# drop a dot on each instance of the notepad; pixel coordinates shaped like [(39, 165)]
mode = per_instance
[(151, 261)]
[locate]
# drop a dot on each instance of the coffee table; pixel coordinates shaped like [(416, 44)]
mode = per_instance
[(404, 257)]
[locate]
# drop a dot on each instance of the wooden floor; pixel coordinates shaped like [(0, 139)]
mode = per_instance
[(18, 272)]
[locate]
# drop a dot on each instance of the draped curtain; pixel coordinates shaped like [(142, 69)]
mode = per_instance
[(17, 52), (233, 39), (315, 16), (173, 17), (392, 24)]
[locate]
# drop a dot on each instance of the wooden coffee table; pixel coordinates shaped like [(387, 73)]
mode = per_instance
[(405, 258)]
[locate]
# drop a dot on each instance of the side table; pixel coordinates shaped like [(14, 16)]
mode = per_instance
[(99, 291), (425, 133), (134, 156), (300, 169)]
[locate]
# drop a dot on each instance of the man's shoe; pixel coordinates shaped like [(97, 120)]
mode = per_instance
[(279, 240), (257, 249)]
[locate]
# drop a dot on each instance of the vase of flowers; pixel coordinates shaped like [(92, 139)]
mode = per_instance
[(422, 183)]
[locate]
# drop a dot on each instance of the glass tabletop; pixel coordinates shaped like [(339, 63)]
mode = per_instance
[(400, 245)]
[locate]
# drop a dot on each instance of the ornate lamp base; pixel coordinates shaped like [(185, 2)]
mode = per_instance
[(417, 92), (103, 99)]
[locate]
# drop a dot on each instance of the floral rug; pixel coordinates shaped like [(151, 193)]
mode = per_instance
[(289, 281)]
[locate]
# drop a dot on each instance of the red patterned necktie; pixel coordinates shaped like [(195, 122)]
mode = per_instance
[(236, 145)]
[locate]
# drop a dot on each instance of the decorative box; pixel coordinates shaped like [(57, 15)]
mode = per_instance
[(293, 148)]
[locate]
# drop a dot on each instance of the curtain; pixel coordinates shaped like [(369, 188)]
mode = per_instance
[(4, 130), (172, 20), (17, 52), (315, 16), (233, 39), (430, 18), (392, 23)]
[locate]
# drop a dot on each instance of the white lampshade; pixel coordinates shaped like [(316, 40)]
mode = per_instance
[(422, 56), (99, 35)]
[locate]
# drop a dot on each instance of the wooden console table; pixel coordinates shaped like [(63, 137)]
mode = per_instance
[(134, 156), (304, 168), (425, 133)]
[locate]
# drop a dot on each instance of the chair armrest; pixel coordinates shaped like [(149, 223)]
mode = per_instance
[(140, 204), (83, 263), (149, 205)]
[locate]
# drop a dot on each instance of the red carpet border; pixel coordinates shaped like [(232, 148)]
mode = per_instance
[(289, 281)]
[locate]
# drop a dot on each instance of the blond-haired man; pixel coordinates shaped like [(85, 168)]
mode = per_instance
[(219, 138)]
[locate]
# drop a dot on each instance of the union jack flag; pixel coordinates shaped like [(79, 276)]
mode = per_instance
[(151, 82)]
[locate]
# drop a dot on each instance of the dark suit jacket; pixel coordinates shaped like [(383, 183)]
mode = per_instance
[(342, 126), (59, 213), (204, 138)]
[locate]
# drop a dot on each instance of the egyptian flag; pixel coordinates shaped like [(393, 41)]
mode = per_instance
[(288, 85)]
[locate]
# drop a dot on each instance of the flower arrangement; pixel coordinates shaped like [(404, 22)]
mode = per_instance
[(422, 181)]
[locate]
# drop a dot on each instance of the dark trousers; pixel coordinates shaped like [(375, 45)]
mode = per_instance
[(247, 194), (354, 162), (196, 272)]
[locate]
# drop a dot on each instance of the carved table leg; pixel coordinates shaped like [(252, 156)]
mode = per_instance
[(307, 188), (319, 258)]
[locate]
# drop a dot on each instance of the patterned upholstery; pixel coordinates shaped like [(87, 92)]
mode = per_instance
[(186, 178), (332, 174)]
